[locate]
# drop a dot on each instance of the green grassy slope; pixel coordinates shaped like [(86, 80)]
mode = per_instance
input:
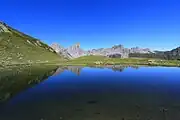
[(100, 60), (17, 47)]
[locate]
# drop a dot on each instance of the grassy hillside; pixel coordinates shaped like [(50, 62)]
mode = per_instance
[(17, 47), (100, 60)]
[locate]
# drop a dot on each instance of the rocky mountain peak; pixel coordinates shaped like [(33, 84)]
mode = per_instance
[(116, 50), (60, 50), (77, 45), (76, 51), (118, 46), (56, 47), (3, 23), (139, 50)]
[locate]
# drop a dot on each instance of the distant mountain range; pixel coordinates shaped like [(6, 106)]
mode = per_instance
[(17, 47), (118, 50), (168, 55), (173, 54)]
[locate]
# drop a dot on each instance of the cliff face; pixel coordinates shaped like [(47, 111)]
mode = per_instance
[(61, 51), (140, 50), (118, 49), (115, 51), (75, 51)]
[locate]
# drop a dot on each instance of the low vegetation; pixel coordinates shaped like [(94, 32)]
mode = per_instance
[(100, 60), (19, 48)]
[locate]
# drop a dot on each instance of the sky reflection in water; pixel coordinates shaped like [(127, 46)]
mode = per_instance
[(77, 93)]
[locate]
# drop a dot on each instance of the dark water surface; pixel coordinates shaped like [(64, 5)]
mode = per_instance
[(77, 93)]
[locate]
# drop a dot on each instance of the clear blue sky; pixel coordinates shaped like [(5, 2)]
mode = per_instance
[(97, 23)]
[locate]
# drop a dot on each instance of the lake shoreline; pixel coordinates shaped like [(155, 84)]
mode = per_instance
[(100, 60), (123, 64), (84, 65)]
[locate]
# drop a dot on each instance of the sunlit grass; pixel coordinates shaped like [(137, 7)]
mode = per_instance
[(101, 60)]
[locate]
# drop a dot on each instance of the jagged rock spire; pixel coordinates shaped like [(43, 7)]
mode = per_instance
[(75, 51)]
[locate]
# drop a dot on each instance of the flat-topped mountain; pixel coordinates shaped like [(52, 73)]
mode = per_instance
[(17, 47)]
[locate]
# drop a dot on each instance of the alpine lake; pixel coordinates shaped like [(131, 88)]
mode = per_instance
[(90, 93)]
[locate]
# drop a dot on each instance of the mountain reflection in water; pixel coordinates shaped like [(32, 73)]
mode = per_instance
[(13, 81), (77, 69), (92, 93), (16, 80)]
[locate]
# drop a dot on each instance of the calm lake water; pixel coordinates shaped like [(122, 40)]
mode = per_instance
[(85, 93)]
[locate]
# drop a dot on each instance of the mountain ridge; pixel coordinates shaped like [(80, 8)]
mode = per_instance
[(120, 51), (75, 51), (19, 48)]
